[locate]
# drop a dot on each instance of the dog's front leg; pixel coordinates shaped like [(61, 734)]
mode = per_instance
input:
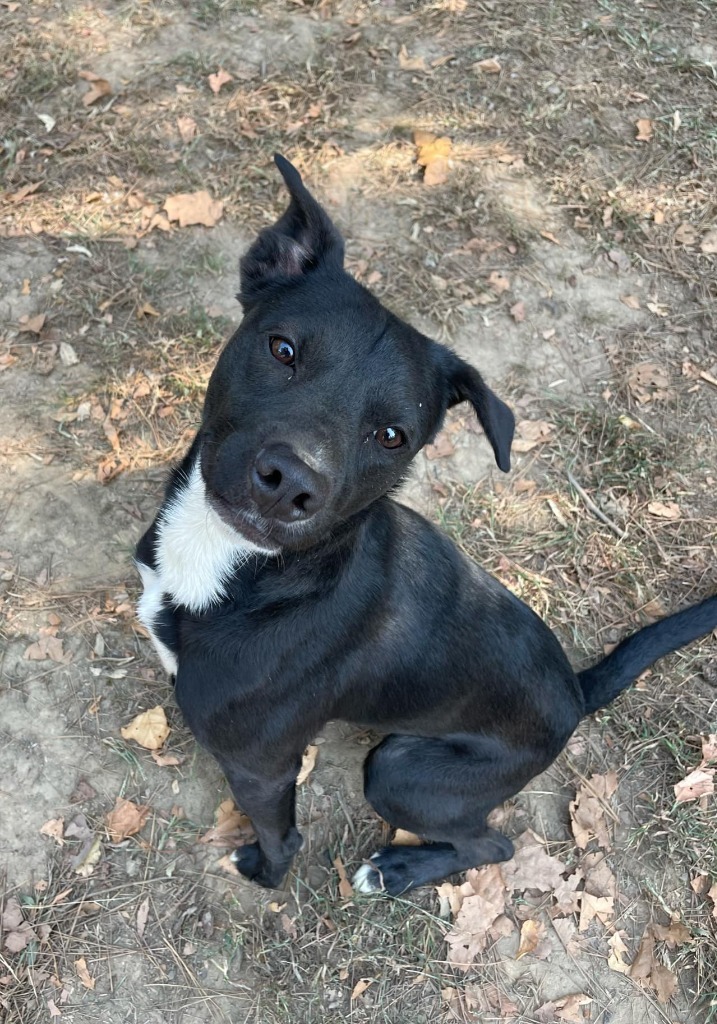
[(269, 800)]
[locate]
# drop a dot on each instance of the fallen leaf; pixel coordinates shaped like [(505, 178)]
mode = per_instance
[(83, 974), (709, 241), (700, 782), (165, 760), (99, 87), (142, 916), (18, 932), (55, 829), (88, 857), (631, 301), (194, 208), (488, 66), (658, 308), (407, 63), (433, 156), (403, 838), (709, 748), (674, 934), (441, 448), (664, 509), (531, 867), (187, 128), (68, 356), (713, 896), (288, 925), (644, 129), (498, 1000), (599, 879), (218, 79), (31, 324), (146, 309), (52, 1007), (360, 987), (531, 933), (644, 959), (550, 237), (226, 863), (345, 888), (531, 433), (231, 826), (308, 761), (587, 811), (518, 312), (570, 1008), (149, 729), (686, 234), (648, 381), (479, 910), (664, 982), (601, 907), (125, 819), (615, 960), (46, 648), (27, 190), (498, 282), (566, 895)]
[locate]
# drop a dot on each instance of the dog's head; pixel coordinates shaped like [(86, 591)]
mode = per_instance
[(322, 397)]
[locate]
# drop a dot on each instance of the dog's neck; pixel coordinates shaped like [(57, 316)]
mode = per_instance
[(196, 551)]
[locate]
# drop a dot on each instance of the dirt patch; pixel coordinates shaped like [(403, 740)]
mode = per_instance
[(571, 262)]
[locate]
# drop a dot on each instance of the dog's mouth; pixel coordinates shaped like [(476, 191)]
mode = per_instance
[(246, 523)]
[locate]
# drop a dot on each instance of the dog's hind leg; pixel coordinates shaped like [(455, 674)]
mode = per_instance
[(442, 790)]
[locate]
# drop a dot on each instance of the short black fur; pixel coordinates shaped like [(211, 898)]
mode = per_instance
[(360, 609)]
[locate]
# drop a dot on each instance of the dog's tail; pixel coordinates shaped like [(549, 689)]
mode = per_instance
[(604, 681)]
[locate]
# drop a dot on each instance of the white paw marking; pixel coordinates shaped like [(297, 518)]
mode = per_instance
[(367, 879)]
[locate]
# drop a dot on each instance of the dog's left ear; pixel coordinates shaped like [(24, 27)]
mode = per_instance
[(303, 239), (465, 384)]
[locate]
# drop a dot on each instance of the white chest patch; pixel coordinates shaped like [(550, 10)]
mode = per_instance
[(196, 553)]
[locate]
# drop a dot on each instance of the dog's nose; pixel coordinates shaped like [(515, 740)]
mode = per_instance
[(284, 487)]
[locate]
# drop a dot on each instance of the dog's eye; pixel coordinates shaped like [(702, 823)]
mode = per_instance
[(390, 437), (282, 350)]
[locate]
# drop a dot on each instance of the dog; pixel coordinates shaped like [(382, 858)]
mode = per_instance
[(284, 586)]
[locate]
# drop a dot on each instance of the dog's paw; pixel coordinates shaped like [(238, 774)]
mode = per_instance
[(251, 863), (368, 879)]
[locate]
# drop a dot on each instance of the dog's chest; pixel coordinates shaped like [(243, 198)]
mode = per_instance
[(195, 554)]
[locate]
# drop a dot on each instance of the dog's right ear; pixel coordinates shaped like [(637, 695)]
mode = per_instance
[(303, 239)]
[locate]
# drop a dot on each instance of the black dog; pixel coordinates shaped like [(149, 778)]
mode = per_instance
[(283, 587)]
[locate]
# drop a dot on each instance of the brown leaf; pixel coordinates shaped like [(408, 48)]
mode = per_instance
[(566, 895), (700, 782), (218, 79), (570, 1008), (166, 760), (664, 982), (469, 934), (709, 748), (648, 381), (433, 156), (599, 879), (531, 933), (407, 63), (32, 324), (615, 960), (194, 208), (531, 433), (674, 934), (489, 66), (187, 128), (498, 1000), (149, 729), (52, 1007), (345, 888), (518, 312), (142, 916), (498, 282), (568, 935), (46, 648), (644, 129), (17, 197), (360, 987), (226, 863), (631, 301), (125, 819), (601, 907), (307, 764), (441, 448), (713, 896), (99, 87), (54, 828), (83, 974), (532, 867), (403, 838), (231, 826), (643, 963), (664, 509), (587, 811), (146, 309)]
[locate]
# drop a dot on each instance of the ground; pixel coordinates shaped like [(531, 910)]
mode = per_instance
[(567, 247)]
